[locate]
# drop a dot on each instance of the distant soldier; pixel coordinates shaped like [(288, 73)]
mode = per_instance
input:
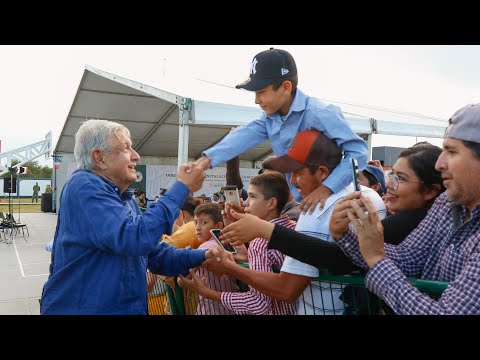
[(48, 189), (36, 189)]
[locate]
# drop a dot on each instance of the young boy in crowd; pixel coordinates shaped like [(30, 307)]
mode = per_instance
[(206, 218), (267, 195), (287, 111)]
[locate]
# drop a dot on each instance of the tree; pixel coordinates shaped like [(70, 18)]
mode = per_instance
[(34, 170)]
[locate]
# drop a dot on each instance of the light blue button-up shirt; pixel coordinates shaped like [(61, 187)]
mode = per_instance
[(305, 113)]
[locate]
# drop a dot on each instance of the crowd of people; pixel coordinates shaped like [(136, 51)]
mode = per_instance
[(299, 215)]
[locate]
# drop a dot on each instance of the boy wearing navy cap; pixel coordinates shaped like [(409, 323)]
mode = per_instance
[(287, 111)]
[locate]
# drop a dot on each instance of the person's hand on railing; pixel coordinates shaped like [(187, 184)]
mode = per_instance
[(339, 220)]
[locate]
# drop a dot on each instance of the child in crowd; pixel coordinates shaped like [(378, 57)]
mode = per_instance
[(287, 111), (206, 218), (267, 195)]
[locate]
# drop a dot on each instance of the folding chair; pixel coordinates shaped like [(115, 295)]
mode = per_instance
[(17, 225), (5, 225)]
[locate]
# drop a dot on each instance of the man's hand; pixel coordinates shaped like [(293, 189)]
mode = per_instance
[(192, 174), (241, 254), (319, 195), (220, 265), (193, 282), (246, 228), (227, 218), (369, 230), (339, 220), (213, 253)]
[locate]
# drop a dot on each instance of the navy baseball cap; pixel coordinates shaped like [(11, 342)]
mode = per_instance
[(378, 174), (267, 66)]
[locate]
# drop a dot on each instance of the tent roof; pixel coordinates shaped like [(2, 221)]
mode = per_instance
[(152, 116)]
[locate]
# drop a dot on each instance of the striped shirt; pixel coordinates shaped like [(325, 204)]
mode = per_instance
[(260, 258), (435, 250), (214, 282)]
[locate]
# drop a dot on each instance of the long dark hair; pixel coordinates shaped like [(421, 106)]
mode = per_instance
[(422, 158)]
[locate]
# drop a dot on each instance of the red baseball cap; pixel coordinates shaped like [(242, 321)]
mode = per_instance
[(310, 147)]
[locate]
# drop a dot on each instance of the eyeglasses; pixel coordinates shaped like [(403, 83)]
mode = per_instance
[(396, 181)]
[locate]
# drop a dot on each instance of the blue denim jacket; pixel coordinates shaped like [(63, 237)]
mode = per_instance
[(103, 245)]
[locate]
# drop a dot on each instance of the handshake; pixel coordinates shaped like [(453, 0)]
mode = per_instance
[(192, 174)]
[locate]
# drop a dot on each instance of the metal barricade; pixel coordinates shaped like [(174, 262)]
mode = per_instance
[(158, 303), (327, 295), (186, 302), (347, 295)]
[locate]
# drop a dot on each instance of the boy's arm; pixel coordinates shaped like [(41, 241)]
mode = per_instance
[(351, 145), (237, 142)]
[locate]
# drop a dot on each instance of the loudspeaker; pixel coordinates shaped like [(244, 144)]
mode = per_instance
[(8, 186)]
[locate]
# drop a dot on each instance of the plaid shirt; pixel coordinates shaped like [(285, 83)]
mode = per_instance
[(435, 250), (260, 258)]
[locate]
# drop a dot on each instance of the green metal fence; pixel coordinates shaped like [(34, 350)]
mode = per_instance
[(327, 295), (355, 299)]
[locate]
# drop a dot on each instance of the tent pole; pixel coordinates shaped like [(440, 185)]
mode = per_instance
[(183, 129)]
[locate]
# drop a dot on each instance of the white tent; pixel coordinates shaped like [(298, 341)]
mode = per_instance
[(168, 128)]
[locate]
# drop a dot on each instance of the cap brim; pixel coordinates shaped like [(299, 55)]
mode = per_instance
[(378, 175), (254, 84), (285, 164)]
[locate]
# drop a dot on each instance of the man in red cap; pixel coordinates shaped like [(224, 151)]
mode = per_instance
[(311, 158)]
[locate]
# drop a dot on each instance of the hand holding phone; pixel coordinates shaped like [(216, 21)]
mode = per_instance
[(226, 246), (231, 194), (356, 183)]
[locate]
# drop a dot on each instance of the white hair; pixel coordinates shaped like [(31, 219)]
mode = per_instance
[(95, 135)]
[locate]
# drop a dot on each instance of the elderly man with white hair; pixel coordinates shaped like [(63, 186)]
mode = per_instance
[(103, 245)]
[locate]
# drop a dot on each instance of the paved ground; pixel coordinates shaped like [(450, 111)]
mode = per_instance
[(24, 265)]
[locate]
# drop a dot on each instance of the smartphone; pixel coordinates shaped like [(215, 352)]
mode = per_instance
[(231, 194), (226, 246), (356, 183)]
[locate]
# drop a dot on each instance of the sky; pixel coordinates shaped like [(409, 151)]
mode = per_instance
[(38, 83)]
